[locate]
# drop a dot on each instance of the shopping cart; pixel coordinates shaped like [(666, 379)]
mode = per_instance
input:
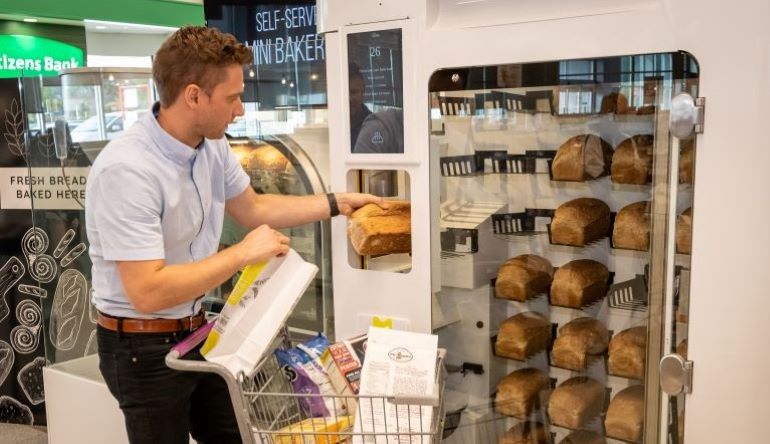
[(268, 411)]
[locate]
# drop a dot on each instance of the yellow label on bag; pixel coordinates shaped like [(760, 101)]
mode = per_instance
[(211, 342), (249, 274)]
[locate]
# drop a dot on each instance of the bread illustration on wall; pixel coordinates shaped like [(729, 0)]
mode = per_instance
[(523, 335), (523, 277), (30, 379), (580, 221), (376, 231), (577, 341), (687, 161), (579, 283), (519, 393), (625, 415), (575, 402), (632, 227), (627, 353), (581, 158), (632, 160), (526, 433), (684, 232), (68, 309), (583, 437)]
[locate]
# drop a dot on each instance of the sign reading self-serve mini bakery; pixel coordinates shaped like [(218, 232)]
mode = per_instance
[(26, 56)]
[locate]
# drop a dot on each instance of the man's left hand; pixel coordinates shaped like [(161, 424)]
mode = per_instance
[(349, 202)]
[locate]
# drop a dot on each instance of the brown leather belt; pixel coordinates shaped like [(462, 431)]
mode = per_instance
[(132, 325)]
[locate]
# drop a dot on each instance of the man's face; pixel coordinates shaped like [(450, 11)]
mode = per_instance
[(222, 105)]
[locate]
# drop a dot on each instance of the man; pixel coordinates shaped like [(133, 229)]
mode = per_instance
[(157, 196), (358, 110)]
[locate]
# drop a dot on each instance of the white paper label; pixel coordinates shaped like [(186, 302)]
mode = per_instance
[(48, 188)]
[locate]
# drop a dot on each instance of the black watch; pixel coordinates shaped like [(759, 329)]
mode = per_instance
[(334, 210)]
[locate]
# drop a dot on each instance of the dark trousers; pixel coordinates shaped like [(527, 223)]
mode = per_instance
[(161, 405)]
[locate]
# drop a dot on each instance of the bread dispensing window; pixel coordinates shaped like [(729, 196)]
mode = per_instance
[(380, 238), (375, 92), (560, 194)]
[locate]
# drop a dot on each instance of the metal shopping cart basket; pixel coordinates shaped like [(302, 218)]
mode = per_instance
[(268, 411)]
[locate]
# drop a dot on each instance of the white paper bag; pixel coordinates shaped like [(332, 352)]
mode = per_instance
[(257, 308)]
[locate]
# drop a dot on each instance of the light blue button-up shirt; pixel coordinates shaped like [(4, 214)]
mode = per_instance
[(149, 196)]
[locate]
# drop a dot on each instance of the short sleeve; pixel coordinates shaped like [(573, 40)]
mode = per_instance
[(127, 205), (236, 180)]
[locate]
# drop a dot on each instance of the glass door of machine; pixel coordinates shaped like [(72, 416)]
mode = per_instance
[(564, 219)]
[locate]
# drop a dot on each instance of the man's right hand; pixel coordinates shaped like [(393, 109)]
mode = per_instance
[(262, 244)]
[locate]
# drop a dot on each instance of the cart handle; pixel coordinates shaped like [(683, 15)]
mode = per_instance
[(192, 341)]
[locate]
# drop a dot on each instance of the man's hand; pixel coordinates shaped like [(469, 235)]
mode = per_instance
[(261, 245), (349, 202)]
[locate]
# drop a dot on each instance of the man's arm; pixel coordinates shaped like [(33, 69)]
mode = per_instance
[(152, 285), (281, 211)]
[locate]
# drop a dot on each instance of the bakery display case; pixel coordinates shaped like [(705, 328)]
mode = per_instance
[(564, 219)]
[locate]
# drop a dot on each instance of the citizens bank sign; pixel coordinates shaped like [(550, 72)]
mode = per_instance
[(27, 56)]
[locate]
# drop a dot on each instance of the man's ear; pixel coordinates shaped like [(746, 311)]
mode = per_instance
[(192, 95)]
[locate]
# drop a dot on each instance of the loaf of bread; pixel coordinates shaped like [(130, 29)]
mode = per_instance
[(681, 349), (577, 341), (583, 437), (526, 433), (687, 161), (523, 335), (632, 227), (625, 416), (627, 353), (684, 232), (520, 392), (575, 402), (580, 221), (376, 231), (614, 103), (632, 160), (582, 158), (579, 283), (523, 277)]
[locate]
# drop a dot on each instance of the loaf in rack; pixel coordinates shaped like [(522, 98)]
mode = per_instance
[(582, 158), (632, 160), (614, 103), (575, 402), (579, 283), (577, 341), (625, 415), (519, 393), (627, 353), (632, 227), (376, 231), (580, 221), (526, 433), (684, 232), (523, 277), (583, 437), (687, 161), (523, 335)]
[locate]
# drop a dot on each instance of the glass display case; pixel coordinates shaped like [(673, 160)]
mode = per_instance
[(565, 232)]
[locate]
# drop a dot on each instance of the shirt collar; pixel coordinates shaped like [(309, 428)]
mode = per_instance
[(170, 147)]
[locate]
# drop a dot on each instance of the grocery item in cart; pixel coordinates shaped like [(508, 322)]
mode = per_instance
[(523, 335), (627, 353), (580, 221), (625, 415), (583, 437), (577, 341), (580, 158), (632, 227), (579, 283), (523, 277), (313, 431), (376, 231), (684, 232), (343, 368), (575, 402), (520, 392), (632, 160), (526, 433)]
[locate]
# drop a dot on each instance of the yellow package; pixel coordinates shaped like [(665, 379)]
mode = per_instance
[(304, 432)]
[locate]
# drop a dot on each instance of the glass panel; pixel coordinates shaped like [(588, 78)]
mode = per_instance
[(555, 182), (375, 82)]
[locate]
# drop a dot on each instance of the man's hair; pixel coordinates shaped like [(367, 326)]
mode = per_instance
[(195, 54)]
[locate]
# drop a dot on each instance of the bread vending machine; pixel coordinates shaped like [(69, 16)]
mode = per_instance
[(576, 173)]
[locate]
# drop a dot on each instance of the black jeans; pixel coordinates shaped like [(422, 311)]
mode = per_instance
[(161, 405)]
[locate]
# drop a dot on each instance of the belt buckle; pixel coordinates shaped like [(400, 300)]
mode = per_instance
[(190, 323)]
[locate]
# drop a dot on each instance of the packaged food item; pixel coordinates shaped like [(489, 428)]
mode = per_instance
[(302, 432)]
